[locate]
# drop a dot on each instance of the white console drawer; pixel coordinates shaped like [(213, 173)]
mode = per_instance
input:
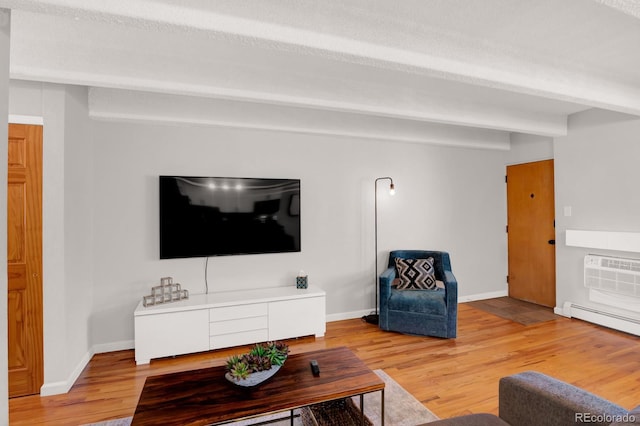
[(238, 325), (237, 339), (241, 311)]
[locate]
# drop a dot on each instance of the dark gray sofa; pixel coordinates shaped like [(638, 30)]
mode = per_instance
[(534, 399)]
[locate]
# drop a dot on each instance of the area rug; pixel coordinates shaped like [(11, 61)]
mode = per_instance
[(522, 312), (400, 409)]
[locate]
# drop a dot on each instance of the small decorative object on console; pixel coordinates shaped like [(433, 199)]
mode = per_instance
[(302, 280), (261, 363), (166, 292)]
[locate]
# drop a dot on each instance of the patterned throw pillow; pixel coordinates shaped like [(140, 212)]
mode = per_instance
[(416, 274)]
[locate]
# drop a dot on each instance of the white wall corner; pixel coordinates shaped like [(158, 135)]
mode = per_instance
[(565, 310), (5, 39), (64, 386)]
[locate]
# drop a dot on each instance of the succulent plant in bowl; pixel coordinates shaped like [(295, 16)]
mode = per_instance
[(256, 366)]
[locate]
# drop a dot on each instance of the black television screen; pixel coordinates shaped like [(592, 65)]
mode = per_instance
[(217, 216)]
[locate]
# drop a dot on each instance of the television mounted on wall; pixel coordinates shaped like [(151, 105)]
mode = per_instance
[(219, 216)]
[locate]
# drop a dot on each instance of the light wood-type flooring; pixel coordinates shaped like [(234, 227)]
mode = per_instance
[(450, 377)]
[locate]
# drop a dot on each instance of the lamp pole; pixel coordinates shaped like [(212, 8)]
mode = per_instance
[(374, 318)]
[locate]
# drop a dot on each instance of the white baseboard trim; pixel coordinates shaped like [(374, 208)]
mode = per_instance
[(63, 386), (565, 312), (348, 315), (55, 388), (122, 345), (483, 296), (461, 299), (604, 318)]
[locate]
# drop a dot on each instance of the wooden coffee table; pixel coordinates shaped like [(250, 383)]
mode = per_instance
[(204, 397)]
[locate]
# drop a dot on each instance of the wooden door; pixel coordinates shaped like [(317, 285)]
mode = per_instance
[(24, 260), (531, 232)]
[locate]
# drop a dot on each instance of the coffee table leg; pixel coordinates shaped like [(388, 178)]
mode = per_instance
[(382, 407), (292, 417)]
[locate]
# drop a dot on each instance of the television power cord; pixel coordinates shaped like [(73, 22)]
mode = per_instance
[(206, 281)]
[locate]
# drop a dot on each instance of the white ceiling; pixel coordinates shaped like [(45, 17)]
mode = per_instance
[(437, 71)]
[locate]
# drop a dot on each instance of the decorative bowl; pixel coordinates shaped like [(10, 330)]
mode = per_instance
[(254, 379), (259, 364)]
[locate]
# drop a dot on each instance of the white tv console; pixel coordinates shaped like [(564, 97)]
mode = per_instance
[(219, 320)]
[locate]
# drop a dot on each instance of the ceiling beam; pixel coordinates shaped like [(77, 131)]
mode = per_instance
[(136, 106)]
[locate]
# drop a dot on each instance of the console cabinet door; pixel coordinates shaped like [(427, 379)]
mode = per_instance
[(172, 333), (295, 318)]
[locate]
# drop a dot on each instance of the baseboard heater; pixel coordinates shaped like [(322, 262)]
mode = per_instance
[(607, 319)]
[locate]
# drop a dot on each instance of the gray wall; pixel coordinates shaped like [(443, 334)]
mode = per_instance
[(100, 210), (100, 216), (67, 224), (5, 25), (597, 175), (78, 223), (447, 198), (529, 148)]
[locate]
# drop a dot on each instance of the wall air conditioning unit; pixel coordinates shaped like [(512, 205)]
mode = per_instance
[(615, 282), (614, 275)]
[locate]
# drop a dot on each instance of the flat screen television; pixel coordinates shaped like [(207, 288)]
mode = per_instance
[(218, 216)]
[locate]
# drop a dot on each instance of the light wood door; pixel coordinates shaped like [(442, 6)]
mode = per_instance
[(531, 232), (24, 260)]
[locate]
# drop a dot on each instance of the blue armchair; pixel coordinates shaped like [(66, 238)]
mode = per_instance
[(422, 312)]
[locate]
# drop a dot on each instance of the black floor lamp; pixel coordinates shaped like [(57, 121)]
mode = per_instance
[(374, 318)]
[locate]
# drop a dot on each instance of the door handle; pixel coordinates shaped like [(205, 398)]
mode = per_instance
[(552, 242)]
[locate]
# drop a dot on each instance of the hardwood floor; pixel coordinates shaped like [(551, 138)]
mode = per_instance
[(450, 377)]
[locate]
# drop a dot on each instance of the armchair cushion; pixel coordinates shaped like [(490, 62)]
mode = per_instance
[(416, 274), (418, 301)]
